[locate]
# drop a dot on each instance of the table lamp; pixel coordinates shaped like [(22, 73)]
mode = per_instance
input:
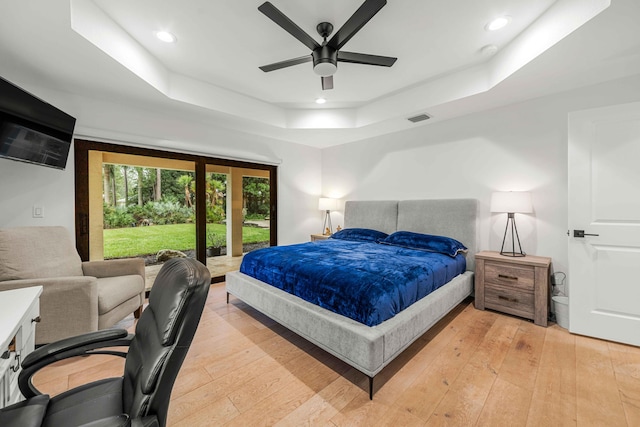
[(327, 205), (511, 202)]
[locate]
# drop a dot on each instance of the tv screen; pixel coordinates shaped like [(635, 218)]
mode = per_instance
[(28, 145), (32, 130)]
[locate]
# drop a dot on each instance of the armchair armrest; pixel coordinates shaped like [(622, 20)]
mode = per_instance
[(114, 267), (85, 344)]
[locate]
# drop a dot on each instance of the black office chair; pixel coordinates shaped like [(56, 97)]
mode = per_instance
[(156, 351)]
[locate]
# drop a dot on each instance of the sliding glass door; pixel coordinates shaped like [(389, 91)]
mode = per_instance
[(133, 202)]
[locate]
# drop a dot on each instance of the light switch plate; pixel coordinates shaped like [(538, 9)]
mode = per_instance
[(38, 211)]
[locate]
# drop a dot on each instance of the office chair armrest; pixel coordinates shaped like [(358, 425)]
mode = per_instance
[(85, 344), (148, 421), (123, 420)]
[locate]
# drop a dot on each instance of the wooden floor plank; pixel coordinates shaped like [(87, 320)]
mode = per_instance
[(215, 413), (428, 389), (626, 365), (473, 368), (554, 393), (465, 399), (507, 405), (597, 394), (327, 403), (520, 366)]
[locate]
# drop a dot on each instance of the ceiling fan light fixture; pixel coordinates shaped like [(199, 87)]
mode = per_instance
[(325, 61), (325, 69), (498, 23)]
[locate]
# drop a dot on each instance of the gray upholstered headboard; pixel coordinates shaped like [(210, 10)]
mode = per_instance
[(454, 218)]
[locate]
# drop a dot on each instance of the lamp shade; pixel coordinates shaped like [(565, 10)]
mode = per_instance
[(327, 204), (511, 202)]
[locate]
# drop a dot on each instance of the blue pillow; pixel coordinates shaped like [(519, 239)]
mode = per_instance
[(425, 242), (359, 234)]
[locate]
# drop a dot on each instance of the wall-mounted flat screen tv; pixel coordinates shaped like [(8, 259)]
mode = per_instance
[(31, 130)]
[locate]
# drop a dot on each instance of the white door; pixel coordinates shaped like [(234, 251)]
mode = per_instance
[(604, 200)]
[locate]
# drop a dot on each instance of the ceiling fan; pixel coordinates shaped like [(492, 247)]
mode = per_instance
[(326, 56)]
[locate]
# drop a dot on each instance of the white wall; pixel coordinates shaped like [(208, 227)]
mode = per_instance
[(23, 185), (519, 147)]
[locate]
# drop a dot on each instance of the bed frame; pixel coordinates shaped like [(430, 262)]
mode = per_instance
[(370, 349)]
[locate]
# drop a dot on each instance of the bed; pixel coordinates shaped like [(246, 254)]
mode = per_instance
[(370, 348)]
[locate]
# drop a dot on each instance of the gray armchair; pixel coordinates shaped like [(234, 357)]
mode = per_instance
[(77, 297)]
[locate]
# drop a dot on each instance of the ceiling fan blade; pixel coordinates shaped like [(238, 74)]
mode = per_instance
[(327, 82), (288, 25), (287, 63), (361, 16), (363, 58)]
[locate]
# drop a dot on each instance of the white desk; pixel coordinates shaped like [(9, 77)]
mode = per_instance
[(18, 310)]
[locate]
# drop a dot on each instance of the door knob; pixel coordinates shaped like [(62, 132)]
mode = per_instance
[(581, 233)]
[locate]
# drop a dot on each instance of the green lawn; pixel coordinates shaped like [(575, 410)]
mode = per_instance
[(135, 241)]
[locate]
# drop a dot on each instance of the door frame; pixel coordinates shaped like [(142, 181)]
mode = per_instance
[(82, 147)]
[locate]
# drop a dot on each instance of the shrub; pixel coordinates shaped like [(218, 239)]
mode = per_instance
[(215, 214), (158, 213), (170, 213), (117, 217)]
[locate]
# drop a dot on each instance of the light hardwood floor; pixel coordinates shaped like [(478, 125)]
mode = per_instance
[(474, 368)]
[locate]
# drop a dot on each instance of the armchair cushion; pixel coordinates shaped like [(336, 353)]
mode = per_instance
[(37, 252), (112, 291)]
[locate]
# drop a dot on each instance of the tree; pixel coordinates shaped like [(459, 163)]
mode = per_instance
[(140, 176), (255, 192), (216, 188), (109, 184), (185, 180), (126, 185), (158, 185), (171, 189)]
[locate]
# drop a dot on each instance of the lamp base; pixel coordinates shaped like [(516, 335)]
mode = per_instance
[(511, 220), (513, 254), (327, 230)]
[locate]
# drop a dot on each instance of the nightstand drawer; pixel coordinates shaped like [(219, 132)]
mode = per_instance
[(521, 277), (509, 300)]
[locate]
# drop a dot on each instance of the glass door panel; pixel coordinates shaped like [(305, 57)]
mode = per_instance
[(238, 206), (146, 210)]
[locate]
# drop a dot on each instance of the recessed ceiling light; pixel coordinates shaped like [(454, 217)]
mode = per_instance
[(498, 23), (320, 100), (166, 36)]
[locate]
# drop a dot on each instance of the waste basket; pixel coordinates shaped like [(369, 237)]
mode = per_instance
[(561, 309)]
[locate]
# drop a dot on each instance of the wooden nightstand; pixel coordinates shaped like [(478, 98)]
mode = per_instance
[(315, 237), (514, 285)]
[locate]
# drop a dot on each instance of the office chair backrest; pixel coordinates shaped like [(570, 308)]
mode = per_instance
[(162, 337)]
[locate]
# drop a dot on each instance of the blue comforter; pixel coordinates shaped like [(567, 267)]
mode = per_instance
[(367, 282)]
